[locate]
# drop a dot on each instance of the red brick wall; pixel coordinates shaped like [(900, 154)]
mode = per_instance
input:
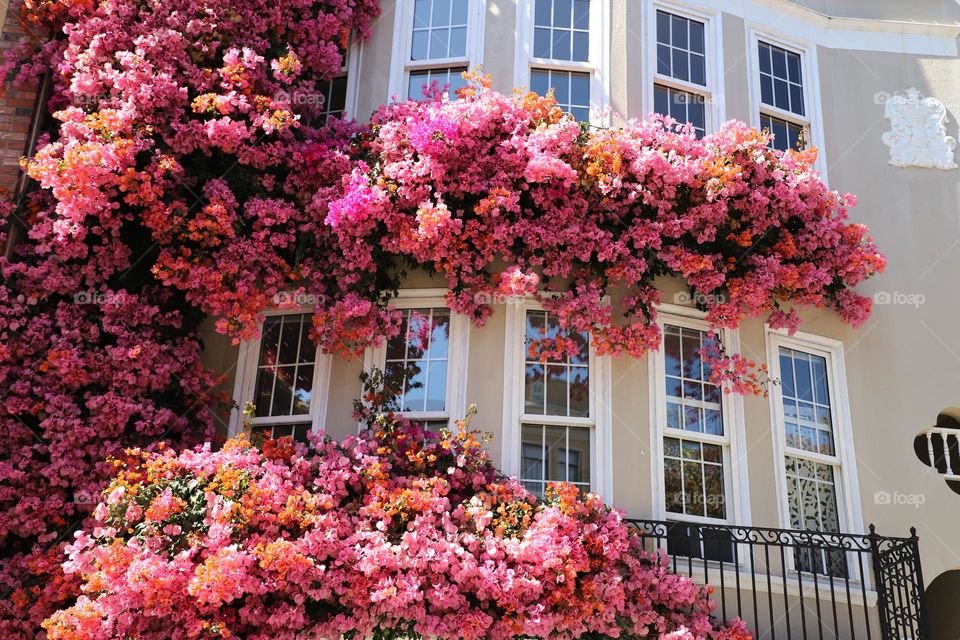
[(17, 104)]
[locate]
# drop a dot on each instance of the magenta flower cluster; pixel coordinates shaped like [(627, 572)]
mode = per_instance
[(398, 533)]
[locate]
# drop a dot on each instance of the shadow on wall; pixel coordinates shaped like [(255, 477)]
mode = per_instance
[(943, 594)]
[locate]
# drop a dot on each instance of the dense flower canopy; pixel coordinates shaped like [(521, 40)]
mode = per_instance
[(187, 172), (398, 531)]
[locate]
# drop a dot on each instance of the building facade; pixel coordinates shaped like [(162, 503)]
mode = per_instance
[(842, 442)]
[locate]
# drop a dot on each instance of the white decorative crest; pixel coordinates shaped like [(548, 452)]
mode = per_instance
[(917, 136)]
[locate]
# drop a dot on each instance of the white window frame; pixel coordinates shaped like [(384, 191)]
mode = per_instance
[(809, 71), (736, 480), (245, 383), (600, 406), (597, 64), (401, 63), (715, 112), (844, 461), (458, 348), (352, 70)]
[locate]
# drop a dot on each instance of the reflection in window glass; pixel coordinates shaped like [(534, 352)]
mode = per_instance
[(682, 106), (557, 387), (693, 478), (554, 454), (693, 402), (570, 89), (417, 358), (447, 79), (786, 135), (285, 368), (806, 401)]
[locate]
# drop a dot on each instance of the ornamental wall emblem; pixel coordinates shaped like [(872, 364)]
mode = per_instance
[(917, 136)]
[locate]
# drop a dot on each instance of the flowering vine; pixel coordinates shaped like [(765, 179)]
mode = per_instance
[(188, 172), (398, 532)]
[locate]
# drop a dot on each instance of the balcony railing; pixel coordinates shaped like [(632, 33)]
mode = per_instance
[(801, 584), (942, 448)]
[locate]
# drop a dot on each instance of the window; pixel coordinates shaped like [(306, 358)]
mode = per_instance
[(560, 48), (435, 42), (782, 104), (559, 389), (811, 432), (557, 411), (284, 376), (697, 435), (424, 364), (684, 75)]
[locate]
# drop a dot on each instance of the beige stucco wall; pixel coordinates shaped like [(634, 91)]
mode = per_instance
[(902, 366)]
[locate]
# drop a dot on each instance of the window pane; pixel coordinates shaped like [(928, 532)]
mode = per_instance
[(562, 13), (441, 13), (534, 393), (541, 43), (663, 61), (581, 14), (581, 46), (543, 12), (421, 45), (696, 37), (421, 14), (663, 27), (458, 42), (459, 12)]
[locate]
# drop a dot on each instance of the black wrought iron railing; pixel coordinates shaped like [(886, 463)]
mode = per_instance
[(801, 584)]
